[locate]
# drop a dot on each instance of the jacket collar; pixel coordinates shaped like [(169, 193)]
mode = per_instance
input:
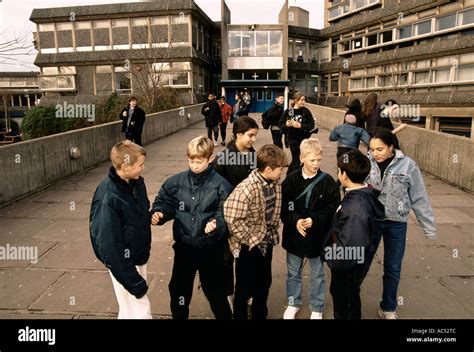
[(202, 176), (121, 182)]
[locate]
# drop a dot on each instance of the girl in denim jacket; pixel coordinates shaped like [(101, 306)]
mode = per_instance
[(400, 182)]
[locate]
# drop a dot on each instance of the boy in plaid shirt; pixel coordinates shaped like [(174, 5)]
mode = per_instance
[(252, 213)]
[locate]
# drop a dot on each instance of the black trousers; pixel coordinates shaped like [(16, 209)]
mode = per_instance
[(223, 127), (229, 269), (209, 261), (295, 158), (253, 273), (134, 137), (277, 137), (345, 291)]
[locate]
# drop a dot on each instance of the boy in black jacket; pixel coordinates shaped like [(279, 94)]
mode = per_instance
[(353, 226), (310, 198), (274, 115), (194, 199), (120, 229)]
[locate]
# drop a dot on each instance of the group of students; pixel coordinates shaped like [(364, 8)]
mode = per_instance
[(229, 206)]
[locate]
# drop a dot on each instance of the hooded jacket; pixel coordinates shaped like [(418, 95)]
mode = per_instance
[(353, 227)]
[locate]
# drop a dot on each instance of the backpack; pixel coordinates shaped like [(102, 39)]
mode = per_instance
[(266, 123)]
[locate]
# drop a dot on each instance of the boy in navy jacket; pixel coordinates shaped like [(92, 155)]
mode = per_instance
[(354, 225)]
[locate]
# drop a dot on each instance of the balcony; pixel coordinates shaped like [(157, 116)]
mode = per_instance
[(341, 9)]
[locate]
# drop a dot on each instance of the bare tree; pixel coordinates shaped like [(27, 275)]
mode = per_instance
[(12, 50)]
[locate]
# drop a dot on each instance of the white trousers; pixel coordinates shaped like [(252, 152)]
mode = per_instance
[(131, 307)]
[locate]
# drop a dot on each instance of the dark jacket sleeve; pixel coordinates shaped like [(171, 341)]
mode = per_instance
[(165, 203), (274, 115), (283, 120), (334, 135), (205, 110), (108, 235), (322, 216), (123, 118), (221, 230), (308, 121), (289, 215)]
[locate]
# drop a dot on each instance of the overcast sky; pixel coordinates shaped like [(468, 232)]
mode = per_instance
[(15, 14)]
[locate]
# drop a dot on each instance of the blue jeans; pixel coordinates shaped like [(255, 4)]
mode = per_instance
[(294, 285), (394, 240)]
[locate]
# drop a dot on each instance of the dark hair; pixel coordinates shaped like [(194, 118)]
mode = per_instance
[(386, 136), (369, 104), (272, 156), (390, 102), (222, 98), (355, 164), (132, 98), (242, 125), (354, 107), (280, 95)]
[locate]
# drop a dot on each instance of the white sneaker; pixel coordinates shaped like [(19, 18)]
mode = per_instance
[(290, 312), (316, 315), (387, 315)]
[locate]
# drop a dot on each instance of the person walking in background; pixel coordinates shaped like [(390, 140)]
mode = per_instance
[(297, 122), (274, 115), (371, 113), (355, 108), (348, 135), (133, 119), (226, 112), (240, 108), (213, 117)]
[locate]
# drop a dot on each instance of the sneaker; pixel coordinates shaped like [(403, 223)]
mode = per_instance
[(290, 312), (316, 315), (387, 315)]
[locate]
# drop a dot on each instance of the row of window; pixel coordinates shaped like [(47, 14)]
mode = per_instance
[(341, 8), (132, 33), (425, 27), (463, 73)]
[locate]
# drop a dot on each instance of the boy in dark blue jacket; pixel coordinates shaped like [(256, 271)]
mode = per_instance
[(120, 229), (194, 199), (354, 225)]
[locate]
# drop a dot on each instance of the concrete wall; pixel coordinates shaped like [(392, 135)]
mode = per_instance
[(443, 155), (33, 165)]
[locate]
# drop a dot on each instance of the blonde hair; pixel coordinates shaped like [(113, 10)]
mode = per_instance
[(310, 145), (200, 147), (125, 152)]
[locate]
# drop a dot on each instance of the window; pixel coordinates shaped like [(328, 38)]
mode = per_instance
[(356, 83), (324, 52), (47, 27), (64, 26), (465, 73), (313, 53), (163, 20), (276, 43), (139, 22), (466, 17), (103, 69), (443, 75), (357, 43), (234, 43), (67, 70), (300, 51), (422, 77), (446, 22), (248, 43), (423, 64), (180, 79), (370, 82), (386, 36), (122, 80), (335, 83), (372, 40), (405, 32), (50, 71), (423, 28), (262, 43), (83, 25), (101, 24)]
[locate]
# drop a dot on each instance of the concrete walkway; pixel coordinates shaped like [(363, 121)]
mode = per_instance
[(68, 282)]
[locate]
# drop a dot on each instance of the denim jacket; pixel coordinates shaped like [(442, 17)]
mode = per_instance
[(402, 189), (349, 136)]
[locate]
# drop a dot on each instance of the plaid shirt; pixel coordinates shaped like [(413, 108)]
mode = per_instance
[(245, 213)]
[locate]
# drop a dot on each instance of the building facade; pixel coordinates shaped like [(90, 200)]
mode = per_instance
[(19, 92), (89, 51)]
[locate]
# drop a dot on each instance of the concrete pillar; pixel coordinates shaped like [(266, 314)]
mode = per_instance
[(429, 123), (287, 90), (472, 127)]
